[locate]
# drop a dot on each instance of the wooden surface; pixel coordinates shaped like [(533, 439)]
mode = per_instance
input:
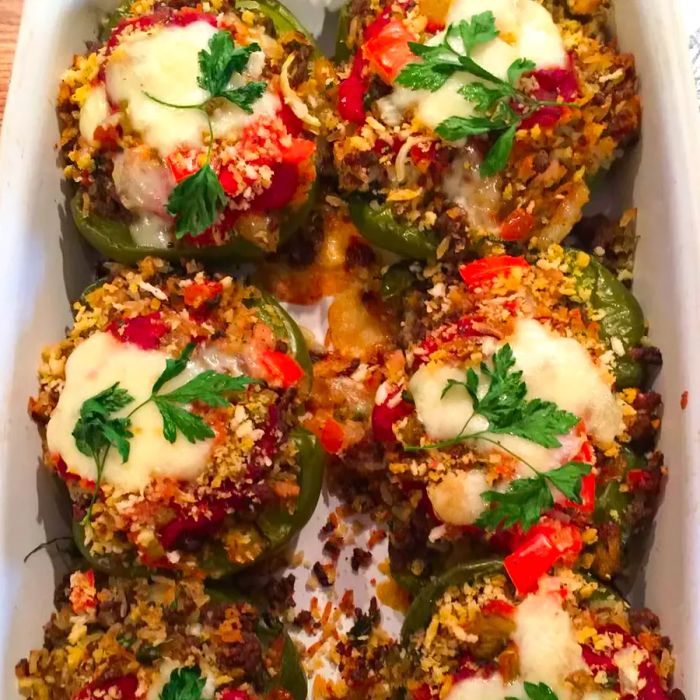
[(10, 11)]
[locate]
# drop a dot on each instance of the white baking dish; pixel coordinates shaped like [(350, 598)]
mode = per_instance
[(43, 264)]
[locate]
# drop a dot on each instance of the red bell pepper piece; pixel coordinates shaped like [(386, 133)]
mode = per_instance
[(299, 151), (351, 92), (484, 270), (388, 50), (234, 694), (283, 368), (143, 331), (517, 225), (529, 562), (189, 16), (123, 688), (331, 436), (497, 607), (384, 416), (194, 295), (283, 187)]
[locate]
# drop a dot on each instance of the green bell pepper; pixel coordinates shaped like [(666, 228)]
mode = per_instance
[(342, 50), (623, 319), (382, 229), (421, 610), (276, 524), (291, 676), (113, 238), (396, 281)]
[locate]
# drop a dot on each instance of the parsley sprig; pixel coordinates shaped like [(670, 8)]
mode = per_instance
[(196, 201), (537, 691), (98, 430), (500, 106), (505, 406), (184, 684)]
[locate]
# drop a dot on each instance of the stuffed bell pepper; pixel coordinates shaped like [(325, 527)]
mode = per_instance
[(191, 132), (469, 634), (121, 639), (468, 121), (170, 413)]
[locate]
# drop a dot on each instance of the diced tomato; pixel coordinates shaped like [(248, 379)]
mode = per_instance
[(196, 294), (83, 594), (282, 367), (351, 96), (198, 525), (285, 181), (484, 270), (497, 607), (299, 151), (331, 436), (433, 27), (388, 50), (517, 225), (376, 25), (529, 562), (228, 181), (384, 416), (143, 331), (123, 688)]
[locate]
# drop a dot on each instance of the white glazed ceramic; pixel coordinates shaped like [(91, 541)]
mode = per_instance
[(43, 264)]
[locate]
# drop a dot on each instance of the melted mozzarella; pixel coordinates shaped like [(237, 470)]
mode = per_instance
[(527, 30), (546, 641), (561, 370), (142, 182), (94, 112), (96, 364), (151, 231), (165, 64), (457, 498), (485, 689)]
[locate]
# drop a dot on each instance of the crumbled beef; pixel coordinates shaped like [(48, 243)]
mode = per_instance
[(325, 574), (358, 254), (361, 558)]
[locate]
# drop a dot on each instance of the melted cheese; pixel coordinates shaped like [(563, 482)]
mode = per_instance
[(546, 641), (165, 64), (95, 365), (151, 230), (457, 498), (561, 370), (527, 30), (485, 689), (94, 112)]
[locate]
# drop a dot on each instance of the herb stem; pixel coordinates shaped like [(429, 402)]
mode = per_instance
[(201, 105)]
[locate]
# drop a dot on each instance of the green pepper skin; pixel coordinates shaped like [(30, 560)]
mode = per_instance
[(291, 676), (342, 50), (396, 281), (624, 318), (113, 238), (421, 610), (382, 229)]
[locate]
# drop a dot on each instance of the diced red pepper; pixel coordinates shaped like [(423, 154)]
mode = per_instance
[(196, 294), (384, 416), (422, 692), (299, 151), (553, 83), (137, 23), (107, 135), (123, 688), (433, 27), (376, 25), (234, 694), (351, 92), (587, 504), (642, 480), (331, 436), (529, 562), (181, 166), (497, 607), (282, 367), (484, 270), (292, 123), (388, 50), (517, 225), (188, 16), (143, 331), (283, 187)]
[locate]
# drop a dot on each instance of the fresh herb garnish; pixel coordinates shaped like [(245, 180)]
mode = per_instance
[(537, 691), (505, 406), (184, 684), (98, 430), (499, 104), (196, 201)]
